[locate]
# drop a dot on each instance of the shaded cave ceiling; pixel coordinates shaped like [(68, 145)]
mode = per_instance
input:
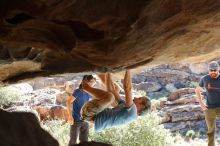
[(46, 37)]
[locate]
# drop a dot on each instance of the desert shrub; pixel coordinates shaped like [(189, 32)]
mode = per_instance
[(218, 140), (191, 134), (178, 138), (59, 130), (155, 103), (202, 132), (183, 133), (143, 132), (141, 93), (9, 96), (163, 99), (193, 84)]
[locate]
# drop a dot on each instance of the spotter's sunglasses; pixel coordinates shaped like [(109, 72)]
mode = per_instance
[(213, 70)]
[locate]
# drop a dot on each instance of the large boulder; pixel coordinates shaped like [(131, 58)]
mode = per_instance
[(166, 76), (61, 98), (24, 109), (138, 78), (23, 129), (178, 93), (178, 126), (157, 95), (52, 112), (181, 112), (43, 82), (199, 68), (40, 38), (147, 86), (170, 87)]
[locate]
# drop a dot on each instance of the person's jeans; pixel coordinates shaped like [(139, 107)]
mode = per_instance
[(81, 129), (210, 116)]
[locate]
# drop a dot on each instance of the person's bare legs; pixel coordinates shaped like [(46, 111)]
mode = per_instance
[(128, 89), (102, 77), (103, 98), (111, 87)]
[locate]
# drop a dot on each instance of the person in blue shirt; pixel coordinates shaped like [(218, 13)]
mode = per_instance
[(98, 112), (79, 128)]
